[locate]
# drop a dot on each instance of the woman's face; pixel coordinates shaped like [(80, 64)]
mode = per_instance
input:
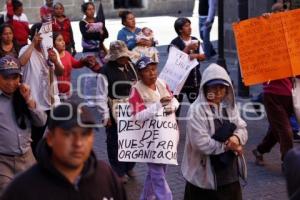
[(58, 10), (186, 29), (59, 43), (148, 75), (130, 21), (90, 11), (49, 3), (7, 35), (10, 83), (216, 93), (18, 11)]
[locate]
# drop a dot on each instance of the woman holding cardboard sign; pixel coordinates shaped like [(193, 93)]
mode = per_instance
[(278, 102), (190, 45), (148, 96)]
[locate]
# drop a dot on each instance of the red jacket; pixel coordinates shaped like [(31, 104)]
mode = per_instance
[(65, 29), (20, 25), (69, 63)]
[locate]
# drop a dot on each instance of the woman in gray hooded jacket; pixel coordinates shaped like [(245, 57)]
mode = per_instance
[(215, 136)]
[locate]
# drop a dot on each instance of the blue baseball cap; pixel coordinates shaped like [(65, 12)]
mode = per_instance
[(217, 82), (144, 61), (9, 65)]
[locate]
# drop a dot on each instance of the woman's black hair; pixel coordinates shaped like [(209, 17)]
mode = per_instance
[(16, 4), (55, 35), (2, 28), (123, 15), (58, 4), (34, 29), (84, 6), (179, 23), (21, 109), (205, 89)]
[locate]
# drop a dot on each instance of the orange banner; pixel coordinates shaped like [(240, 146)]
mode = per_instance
[(269, 47)]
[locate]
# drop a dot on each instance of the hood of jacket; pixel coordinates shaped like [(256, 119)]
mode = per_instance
[(214, 71), (199, 145)]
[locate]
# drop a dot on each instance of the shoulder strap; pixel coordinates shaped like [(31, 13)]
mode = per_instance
[(134, 71)]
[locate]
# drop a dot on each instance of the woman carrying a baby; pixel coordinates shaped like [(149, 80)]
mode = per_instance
[(129, 32), (93, 36)]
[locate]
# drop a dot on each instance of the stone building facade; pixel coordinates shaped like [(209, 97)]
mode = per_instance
[(255, 8), (140, 7), (157, 7)]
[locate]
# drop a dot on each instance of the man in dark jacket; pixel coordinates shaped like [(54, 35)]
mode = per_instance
[(67, 167)]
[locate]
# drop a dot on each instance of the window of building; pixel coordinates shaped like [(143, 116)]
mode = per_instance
[(128, 4)]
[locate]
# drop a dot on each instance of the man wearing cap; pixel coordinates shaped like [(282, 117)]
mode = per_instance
[(67, 167), (212, 161), (113, 86), (40, 75), (18, 111)]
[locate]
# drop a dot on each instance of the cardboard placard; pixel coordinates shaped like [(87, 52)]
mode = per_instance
[(152, 141), (268, 47), (177, 69)]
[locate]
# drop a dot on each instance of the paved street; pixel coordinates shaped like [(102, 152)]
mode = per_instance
[(263, 182)]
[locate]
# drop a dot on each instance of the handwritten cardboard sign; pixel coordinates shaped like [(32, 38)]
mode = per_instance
[(177, 69), (153, 141), (47, 35), (268, 47)]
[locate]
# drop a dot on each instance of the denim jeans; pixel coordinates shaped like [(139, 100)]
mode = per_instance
[(156, 186), (205, 36)]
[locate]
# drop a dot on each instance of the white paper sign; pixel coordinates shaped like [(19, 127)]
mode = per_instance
[(177, 69), (47, 35), (152, 141)]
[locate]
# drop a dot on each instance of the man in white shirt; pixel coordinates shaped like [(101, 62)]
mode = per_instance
[(40, 74)]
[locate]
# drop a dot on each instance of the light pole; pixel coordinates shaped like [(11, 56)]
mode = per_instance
[(221, 60), (243, 90)]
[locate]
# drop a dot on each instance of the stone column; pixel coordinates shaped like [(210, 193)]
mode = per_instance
[(256, 8)]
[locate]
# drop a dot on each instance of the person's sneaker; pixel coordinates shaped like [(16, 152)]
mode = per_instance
[(131, 173), (259, 159), (296, 136)]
